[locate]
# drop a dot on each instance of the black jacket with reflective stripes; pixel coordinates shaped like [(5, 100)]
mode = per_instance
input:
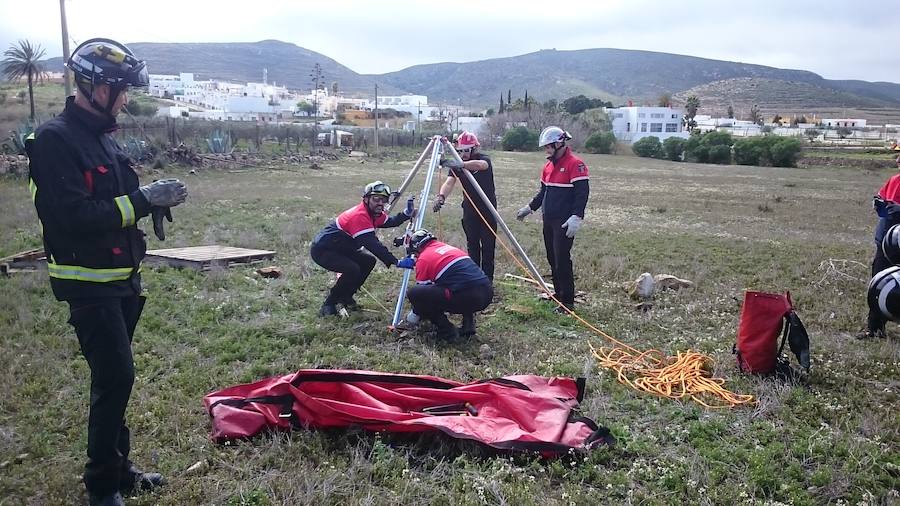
[(87, 198)]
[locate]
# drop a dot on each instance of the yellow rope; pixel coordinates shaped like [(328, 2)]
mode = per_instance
[(685, 376)]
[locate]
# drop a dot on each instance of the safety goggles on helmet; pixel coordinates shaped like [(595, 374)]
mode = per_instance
[(377, 188)]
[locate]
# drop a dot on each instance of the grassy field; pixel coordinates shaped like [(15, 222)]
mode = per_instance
[(835, 440)]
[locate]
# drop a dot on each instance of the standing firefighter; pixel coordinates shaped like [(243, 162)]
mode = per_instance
[(563, 195), (88, 199), (447, 280), (887, 207), (481, 234), (338, 246)]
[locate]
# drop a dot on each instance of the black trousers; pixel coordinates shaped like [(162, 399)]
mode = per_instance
[(433, 301), (559, 256), (354, 268), (481, 240), (876, 320), (105, 328)]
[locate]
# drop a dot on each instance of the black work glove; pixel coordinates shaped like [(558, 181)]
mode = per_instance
[(158, 213)]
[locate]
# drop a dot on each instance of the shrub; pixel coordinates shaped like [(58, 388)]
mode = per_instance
[(784, 152), (708, 147), (750, 151), (674, 148), (768, 150), (600, 142), (648, 147), (520, 139), (720, 154)]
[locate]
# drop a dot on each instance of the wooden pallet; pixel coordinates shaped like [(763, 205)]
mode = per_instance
[(204, 258), (26, 261)]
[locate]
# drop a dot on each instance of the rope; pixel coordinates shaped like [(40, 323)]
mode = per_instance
[(386, 310), (685, 376)]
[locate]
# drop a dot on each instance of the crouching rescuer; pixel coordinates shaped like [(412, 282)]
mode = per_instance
[(88, 199), (447, 281), (339, 246)]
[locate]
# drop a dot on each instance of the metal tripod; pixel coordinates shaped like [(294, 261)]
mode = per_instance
[(437, 146)]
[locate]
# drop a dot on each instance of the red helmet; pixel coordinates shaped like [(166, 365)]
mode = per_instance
[(467, 140)]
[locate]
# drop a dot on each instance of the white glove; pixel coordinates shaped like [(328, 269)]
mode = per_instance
[(412, 318), (522, 213), (572, 226)]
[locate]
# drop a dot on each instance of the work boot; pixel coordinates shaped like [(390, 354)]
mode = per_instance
[(350, 304), (562, 310), (135, 480), (446, 331), (468, 325), (114, 499), (871, 334), (328, 310)]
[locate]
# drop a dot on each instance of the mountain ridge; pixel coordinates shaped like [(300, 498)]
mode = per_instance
[(617, 75)]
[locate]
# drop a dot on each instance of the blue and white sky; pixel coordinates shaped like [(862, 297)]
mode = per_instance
[(838, 40)]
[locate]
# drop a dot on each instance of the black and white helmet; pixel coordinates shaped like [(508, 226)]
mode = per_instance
[(105, 61), (890, 245), (418, 240), (884, 293)]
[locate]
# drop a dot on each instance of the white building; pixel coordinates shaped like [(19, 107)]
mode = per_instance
[(844, 122), (630, 124), (162, 85)]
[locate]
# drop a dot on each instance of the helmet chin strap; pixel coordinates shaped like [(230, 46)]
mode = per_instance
[(106, 110), (556, 150)]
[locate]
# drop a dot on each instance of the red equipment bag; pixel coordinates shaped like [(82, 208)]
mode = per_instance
[(763, 316), (515, 413)]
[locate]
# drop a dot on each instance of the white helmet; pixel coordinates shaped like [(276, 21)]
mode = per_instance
[(553, 134)]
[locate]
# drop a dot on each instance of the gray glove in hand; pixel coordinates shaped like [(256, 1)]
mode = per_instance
[(572, 225), (165, 192), (525, 211), (453, 164)]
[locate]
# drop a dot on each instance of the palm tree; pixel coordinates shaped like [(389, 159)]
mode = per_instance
[(22, 60)]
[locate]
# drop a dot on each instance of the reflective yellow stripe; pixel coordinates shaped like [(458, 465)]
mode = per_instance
[(78, 273), (33, 188), (126, 210)]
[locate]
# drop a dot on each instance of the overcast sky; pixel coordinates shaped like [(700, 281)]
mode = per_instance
[(838, 40)]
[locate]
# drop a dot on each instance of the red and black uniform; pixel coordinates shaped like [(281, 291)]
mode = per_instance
[(889, 192), (448, 281), (564, 192), (87, 198), (338, 248), (481, 239)]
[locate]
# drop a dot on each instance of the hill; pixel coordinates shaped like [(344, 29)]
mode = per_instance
[(786, 97), (287, 64), (617, 73)]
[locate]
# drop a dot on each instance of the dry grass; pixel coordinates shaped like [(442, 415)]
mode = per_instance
[(834, 439)]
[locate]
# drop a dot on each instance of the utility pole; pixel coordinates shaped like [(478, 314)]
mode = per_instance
[(316, 76), (376, 117), (67, 77)]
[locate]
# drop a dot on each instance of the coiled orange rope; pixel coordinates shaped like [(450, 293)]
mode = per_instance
[(686, 376)]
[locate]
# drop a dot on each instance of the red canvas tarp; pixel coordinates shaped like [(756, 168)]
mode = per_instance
[(522, 412)]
